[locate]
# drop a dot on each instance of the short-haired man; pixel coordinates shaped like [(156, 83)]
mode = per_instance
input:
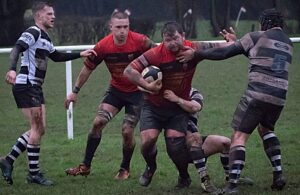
[(36, 47), (157, 112), (117, 50)]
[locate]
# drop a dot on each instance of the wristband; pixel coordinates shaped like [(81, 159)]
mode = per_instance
[(76, 89)]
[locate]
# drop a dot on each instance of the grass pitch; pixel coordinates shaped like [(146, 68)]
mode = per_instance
[(222, 83)]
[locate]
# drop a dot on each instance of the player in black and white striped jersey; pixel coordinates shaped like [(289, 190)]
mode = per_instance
[(201, 147), (270, 55), (36, 47)]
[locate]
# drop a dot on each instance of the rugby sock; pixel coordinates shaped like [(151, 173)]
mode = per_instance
[(199, 160), (178, 152), (127, 155), (91, 146), (149, 154), (272, 149), (19, 147), (33, 153), (237, 157), (224, 158)]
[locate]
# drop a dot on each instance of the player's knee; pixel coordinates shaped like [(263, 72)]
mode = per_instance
[(239, 138), (194, 140), (102, 119), (147, 143), (177, 148), (130, 121), (226, 142), (127, 129)]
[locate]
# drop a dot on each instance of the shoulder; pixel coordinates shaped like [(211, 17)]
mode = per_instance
[(106, 41), (154, 55), (33, 31), (135, 34)]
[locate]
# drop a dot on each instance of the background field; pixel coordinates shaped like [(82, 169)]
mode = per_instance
[(221, 83)]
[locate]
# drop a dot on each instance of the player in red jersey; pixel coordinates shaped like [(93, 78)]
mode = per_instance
[(117, 50), (159, 113)]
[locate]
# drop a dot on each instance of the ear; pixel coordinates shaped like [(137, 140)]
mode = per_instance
[(183, 35), (110, 25)]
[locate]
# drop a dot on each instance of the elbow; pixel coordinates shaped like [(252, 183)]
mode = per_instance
[(195, 109), (126, 72)]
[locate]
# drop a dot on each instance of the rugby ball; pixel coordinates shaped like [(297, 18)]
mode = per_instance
[(152, 73)]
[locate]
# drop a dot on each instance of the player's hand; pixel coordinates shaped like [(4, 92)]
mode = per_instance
[(228, 36), (154, 86), (185, 55), (72, 97), (87, 53), (10, 77), (170, 95)]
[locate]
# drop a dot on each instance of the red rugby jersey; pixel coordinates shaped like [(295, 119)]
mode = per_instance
[(118, 57), (176, 76)]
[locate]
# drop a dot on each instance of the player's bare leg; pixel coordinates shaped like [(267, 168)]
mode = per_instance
[(149, 152), (128, 146), (105, 113)]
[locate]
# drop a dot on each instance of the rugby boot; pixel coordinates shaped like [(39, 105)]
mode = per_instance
[(245, 181), (183, 182), (6, 170), (278, 183), (146, 177), (208, 186), (39, 179), (82, 170), (122, 174), (230, 189)]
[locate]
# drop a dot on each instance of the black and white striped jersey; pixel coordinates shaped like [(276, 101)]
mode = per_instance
[(270, 55), (35, 58), (195, 95)]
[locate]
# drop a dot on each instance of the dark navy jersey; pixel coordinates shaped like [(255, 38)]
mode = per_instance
[(270, 55)]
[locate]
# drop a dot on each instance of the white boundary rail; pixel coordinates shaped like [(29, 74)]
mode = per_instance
[(69, 75)]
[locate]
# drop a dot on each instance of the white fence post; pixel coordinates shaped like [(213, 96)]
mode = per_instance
[(68, 91)]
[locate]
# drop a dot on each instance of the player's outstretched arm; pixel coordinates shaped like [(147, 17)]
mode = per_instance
[(80, 81), (57, 56)]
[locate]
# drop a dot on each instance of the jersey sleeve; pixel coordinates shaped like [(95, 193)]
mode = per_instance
[(144, 60), (195, 95), (249, 40), (28, 37), (92, 61)]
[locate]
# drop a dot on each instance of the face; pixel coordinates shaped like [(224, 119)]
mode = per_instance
[(119, 29), (173, 42), (46, 17)]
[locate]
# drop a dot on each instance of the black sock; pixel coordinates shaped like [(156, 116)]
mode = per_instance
[(224, 158), (127, 155), (92, 144), (149, 154)]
